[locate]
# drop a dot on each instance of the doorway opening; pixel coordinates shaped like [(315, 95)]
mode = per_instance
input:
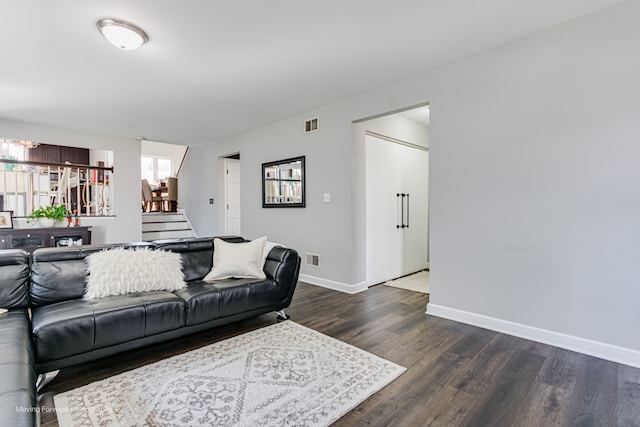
[(231, 199), (396, 153)]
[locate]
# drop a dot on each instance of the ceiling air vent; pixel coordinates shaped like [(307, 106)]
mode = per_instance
[(311, 125), (313, 260)]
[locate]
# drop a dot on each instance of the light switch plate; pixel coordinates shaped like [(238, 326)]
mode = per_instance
[(326, 197)]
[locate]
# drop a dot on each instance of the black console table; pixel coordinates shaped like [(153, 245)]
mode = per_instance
[(30, 239)]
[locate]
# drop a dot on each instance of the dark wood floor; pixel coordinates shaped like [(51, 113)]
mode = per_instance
[(457, 375)]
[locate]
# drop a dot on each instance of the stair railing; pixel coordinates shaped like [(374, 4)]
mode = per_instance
[(84, 190)]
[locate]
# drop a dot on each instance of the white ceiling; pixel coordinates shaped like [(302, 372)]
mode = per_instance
[(212, 69)]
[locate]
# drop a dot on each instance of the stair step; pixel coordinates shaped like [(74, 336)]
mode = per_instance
[(163, 226), (166, 225), (171, 234), (162, 217)]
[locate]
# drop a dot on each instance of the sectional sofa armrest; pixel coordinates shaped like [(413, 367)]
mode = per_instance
[(283, 267)]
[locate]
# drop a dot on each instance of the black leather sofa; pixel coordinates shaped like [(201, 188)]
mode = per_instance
[(64, 329), (17, 363)]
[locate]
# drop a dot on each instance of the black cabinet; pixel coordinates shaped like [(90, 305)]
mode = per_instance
[(47, 153), (30, 239)]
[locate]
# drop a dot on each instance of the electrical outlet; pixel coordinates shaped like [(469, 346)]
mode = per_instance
[(211, 201), (326, 197)]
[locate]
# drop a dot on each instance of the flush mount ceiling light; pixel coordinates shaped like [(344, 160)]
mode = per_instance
[(122, 34)]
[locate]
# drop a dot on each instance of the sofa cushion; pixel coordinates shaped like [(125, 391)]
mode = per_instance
[(164, 311), (17, 388), (267, 250), (73, 327), (14, 279), (197, 253), (117, 319), (207, 301), (60, 274), (124, 318), (62, 329), (15, 338), (120, 271), (56, 281), (18, 399), (238, 260), (202, 302)]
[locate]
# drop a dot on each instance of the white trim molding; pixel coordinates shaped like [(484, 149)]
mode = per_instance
[(336, 286), (623, 355)]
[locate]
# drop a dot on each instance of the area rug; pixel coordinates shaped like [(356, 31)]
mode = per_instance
[(418, 282), (281, 375)]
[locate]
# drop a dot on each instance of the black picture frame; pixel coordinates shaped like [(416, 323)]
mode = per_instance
[(6, 219), (283, 183)]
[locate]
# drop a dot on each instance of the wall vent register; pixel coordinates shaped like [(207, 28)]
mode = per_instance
[(313, 260), (311, 125)]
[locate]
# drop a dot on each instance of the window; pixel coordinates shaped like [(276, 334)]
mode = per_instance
[(9, 151), (155, 169)]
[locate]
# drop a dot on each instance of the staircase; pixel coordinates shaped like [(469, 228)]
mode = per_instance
[(165, 225)]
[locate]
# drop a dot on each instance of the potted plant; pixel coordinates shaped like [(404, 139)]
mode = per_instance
[(48, 215)]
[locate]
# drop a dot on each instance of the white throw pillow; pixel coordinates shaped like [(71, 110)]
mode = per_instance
[(121, 271), (239, 260), (267, 248)]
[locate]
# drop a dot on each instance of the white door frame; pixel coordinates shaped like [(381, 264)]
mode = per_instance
[(231, 194)]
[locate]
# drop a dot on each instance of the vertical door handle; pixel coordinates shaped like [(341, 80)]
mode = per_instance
[(401, 215), (407, 210), (402, 209)]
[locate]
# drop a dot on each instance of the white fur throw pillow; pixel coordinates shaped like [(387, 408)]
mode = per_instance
[(239, 260), (121, 271)]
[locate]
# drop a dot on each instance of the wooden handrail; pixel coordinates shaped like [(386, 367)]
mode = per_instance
[(61, 165)]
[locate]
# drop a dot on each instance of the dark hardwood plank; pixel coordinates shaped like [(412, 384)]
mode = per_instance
[(595, 397), (507, 398), (562, 367), (628, 373), (457, 375), (548, 406), (628, 403), (448, 407), (478, 373)]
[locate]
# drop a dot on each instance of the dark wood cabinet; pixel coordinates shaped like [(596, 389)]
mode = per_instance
[(47, 153), (30, 239)]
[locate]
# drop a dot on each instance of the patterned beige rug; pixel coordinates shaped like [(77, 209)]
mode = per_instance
[(281, 375)]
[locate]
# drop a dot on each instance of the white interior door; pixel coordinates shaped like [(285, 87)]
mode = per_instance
[(415, 184), (232, 197), (396, 227)]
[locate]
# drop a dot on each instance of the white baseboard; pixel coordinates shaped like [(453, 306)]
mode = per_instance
[(336, 286), (623, 355)]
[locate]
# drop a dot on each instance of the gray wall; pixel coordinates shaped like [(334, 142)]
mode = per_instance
[(534, 194), (197, 185)]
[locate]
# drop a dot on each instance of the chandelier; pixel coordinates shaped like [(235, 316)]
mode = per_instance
[(22, 143)]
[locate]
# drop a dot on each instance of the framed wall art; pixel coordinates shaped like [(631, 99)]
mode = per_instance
[(283, 183), (6, 221)]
